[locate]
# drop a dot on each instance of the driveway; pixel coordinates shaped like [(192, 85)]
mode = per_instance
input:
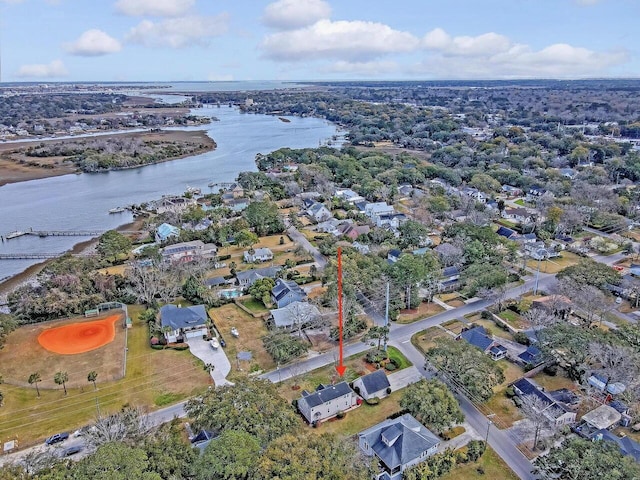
[(300, 239), (216, 357), (404, 377)]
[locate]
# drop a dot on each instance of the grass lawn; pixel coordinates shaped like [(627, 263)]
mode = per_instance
[(511, 371), (445, 297), (364, 416), (520, 202), (254, 305), (424, 310), (557, 264), (506, 412), (454, 326), (492, 328), (556, 382), (428, 338), (251, 331), (513, 319), (399, 359), (493, 466), (153, 378)]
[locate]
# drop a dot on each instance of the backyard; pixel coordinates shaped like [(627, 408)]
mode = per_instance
[(557, 264), (489, 466), (424, 310), (428, 338)]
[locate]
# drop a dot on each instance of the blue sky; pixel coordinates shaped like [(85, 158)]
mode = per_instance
[(164, 40)]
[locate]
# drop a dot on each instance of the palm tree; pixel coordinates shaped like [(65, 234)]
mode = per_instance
[(91, 377), (35, 378), (61, 378)]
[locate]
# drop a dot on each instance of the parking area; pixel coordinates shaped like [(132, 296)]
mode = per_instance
[(216, 357)]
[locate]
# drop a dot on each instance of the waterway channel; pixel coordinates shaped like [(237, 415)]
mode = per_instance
[(82, 202)]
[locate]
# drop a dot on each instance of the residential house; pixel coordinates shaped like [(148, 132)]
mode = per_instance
[(556, 412), (326, 402), (449, 279), (173, 204), (348, 195), (166, 231), (181, 323), (531, 356), (236, 190), (363, 248), (376, 209), (372, 385), (537, 191), (569, 173), (249, 277), (520, 215), (328, 226), (263, 254), (398, 444), (188, 251), (603, 417), (478, 337), (318, 212), (539, 251), (627, 445), (394, 255), (511, 191), (391, 220), (528, 238), (217, 282), (507, 233), (475, 194), (237, 204), (285, 292), (296, 314)]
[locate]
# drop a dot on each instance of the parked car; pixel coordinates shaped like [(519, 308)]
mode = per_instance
[(214, 343), (58, 437), (223, 343), (72, 450)]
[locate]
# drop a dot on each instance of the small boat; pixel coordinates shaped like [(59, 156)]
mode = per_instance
[(117, 210), (234, 332), (193, 190)]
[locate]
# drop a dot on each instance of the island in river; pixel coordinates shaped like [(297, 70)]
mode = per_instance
[(48, 158)]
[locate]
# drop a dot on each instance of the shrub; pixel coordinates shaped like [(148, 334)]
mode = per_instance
[(373, 401), (388, 390), (294, 403), (486, 315), (157, 347), (475, 449), (390, 366), (375, 356), (223, 257), (341, 414), (522, 338), (509, 392), (480, 470), (551, 370)]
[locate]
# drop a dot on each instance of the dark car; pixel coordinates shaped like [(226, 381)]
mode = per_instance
[(72, 450), (222, 343), (58, 437)]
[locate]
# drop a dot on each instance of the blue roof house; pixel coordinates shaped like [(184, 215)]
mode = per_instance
[(181, 323), (165, 231)]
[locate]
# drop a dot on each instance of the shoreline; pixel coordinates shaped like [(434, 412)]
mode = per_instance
[(23, 173), (10, 284)]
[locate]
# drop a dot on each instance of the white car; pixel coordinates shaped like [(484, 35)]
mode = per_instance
[(214, 343)]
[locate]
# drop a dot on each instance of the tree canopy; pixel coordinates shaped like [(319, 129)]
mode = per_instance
[(432, 403)]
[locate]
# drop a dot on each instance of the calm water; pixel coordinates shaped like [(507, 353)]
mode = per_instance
[(82, 202)]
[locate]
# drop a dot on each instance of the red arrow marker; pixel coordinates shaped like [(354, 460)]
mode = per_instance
[(340, 368)]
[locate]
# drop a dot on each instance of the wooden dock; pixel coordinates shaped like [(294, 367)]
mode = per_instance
[(39, 256), (59, 233)]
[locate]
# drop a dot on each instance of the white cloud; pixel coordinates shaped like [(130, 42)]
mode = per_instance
[(155, 8), (93, 43), (43, 70), (373, 68), (291, 14), (342, 40), (517, 61), (485, 44), (178, 32)]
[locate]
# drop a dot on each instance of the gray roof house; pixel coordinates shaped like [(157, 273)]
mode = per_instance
[(294, 314), (285, 292), (183, 323), (248, 277), (372, 385), (398, 444), (318, 212), (326, 402), (258, 255), (478, 337), (555, 411)]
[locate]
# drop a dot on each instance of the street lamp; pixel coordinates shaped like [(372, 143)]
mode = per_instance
[(489, 423)]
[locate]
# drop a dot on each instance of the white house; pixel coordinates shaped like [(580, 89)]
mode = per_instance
[(398, 444), (318, 212), (377, 209), (326, 402), (295, 314), (374, 384), (188, 251), (259, 255)]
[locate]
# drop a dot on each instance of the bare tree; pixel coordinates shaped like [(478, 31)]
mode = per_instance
[(150, 283), (617, 363), (540, 414), (129, 425)]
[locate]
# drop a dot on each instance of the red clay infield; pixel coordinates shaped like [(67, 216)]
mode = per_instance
[(79, 337)]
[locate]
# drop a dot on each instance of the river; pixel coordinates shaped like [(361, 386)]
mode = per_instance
[(82, 202)]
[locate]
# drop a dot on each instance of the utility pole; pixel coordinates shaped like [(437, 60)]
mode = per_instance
[(535, 288)]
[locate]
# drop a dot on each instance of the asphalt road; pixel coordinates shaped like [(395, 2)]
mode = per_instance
[(299, 238)]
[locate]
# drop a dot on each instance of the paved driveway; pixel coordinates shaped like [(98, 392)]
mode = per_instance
[(216, 357), (404, 377)]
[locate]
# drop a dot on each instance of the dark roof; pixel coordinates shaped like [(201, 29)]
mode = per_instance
[(395, 252), (215, 281), (399, 441), (477, 336), (450, 271), (183, 317), (564, 395), (498, 349), (257, 273), (528, 387), (619, 406), (531, 355), (284, 287), (505, 232), (627, 445), (326, 394), (375, 381)]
